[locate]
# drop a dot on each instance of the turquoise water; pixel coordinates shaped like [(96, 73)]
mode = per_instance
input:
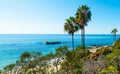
[(12, 45)]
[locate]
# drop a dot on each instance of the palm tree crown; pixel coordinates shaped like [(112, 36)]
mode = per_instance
[(114, 31), (83, 15), (70, 26)]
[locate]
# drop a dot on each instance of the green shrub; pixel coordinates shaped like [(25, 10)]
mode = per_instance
[(79, 48), (74, 61), (117, 44), (9, 67), (116, 62), (104, 51), (115, 53), (109, 70), (24, 56)]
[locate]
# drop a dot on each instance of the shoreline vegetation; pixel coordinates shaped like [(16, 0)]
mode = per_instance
[(81, 60)]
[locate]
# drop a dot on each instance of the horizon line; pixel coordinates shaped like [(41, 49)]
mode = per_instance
[(54, 33)]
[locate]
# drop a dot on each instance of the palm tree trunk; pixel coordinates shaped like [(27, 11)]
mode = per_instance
[(73, 41), (115, 36), (83, 38)]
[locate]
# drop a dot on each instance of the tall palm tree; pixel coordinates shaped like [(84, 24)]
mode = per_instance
[(114, 33), (71, 28), (83, 16)]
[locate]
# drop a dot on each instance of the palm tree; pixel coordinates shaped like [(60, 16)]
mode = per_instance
[(71, 28), (114, 33), (83, 15)]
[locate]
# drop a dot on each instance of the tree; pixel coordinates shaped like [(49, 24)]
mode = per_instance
[(9, 67), (60, 53), (25, 56), (70, 27), (114, 33), (27, 61), (83, 15)]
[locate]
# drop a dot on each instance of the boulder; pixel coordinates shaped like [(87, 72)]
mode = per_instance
[(56, 42)]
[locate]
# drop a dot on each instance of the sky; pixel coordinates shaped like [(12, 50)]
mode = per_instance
[(48, 16)]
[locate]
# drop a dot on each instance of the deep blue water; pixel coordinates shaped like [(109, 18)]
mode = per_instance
[(12, 45)]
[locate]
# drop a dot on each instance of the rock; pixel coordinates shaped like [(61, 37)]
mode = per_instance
[(57, 42)]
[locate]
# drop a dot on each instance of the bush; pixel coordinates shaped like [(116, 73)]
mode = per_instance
[(115, 53), (116, 62), (74, 61), (9, 67), (24, 56), (109, 70), (117, 44), (94, 66), (104, 51)]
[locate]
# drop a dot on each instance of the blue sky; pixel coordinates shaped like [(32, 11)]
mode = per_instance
[(48, 16)]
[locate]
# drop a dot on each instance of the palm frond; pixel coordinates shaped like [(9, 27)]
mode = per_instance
[(83, 15), (70, 25)]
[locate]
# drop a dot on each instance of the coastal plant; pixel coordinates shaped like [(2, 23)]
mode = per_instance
[(71, 28), (74, 61), (116, 44), (109, 70), (28, 61), (36, 55), (9, 67), (104, 51), (60, 54), (25, 56), (68, 67), (114, 33), (116, 62), (94, 66), (83, 16), (115, 53), (24, 60)]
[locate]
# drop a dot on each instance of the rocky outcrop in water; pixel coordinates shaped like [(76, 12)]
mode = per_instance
[(57, 42)]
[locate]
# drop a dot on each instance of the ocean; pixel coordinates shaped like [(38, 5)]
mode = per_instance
[(13, 45)]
